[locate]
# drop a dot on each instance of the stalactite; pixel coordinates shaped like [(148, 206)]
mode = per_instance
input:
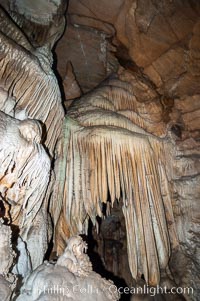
[(124, 164), (110, 158), (25, 76)]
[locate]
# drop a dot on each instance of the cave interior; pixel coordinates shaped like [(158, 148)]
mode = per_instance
[(99, 150)]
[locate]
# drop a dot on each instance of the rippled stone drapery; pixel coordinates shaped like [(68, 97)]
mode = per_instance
[(28, 90), (106, 157), (123, 127)]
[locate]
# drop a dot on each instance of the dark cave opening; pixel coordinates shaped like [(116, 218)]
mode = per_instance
[(107, 249)]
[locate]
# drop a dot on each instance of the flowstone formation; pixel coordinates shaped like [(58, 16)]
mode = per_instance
[(70, 278), (67, 157), (7, 279), (110, 153)]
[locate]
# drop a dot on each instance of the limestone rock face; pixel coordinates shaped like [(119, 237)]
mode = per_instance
[(5, 290), (162, 38), (7, 279), (6, 250), (49, 282), (71, 278), (89, 50), (43, 21)]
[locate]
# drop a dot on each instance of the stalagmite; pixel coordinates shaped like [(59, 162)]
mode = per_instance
[(24, 177), (70, 278), (7, 255)]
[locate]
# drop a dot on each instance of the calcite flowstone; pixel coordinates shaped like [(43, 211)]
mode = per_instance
[(71, 278)]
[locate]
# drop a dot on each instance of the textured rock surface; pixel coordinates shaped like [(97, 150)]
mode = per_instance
[(6, 250), (5, 290), (28, 90), (113, 156), (89, 50), (162, 38), (160, 42), (135, 138), (24, 165), (71, 278), (32, 73)]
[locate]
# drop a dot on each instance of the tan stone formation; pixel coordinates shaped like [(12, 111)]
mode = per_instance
[(28, 90), (93, 51), (42, 21), (24, 173), (7, 253), (161, 37), (133, 139), (71, 86), (111, 155), (158, 41), (32, 72), (71, 278), (7, 279), (5, 290), (74, 257)]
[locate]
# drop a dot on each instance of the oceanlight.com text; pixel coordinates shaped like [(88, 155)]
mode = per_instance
[(139, 290)]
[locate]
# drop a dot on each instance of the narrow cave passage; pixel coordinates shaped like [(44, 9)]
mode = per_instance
[(107, 249)]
